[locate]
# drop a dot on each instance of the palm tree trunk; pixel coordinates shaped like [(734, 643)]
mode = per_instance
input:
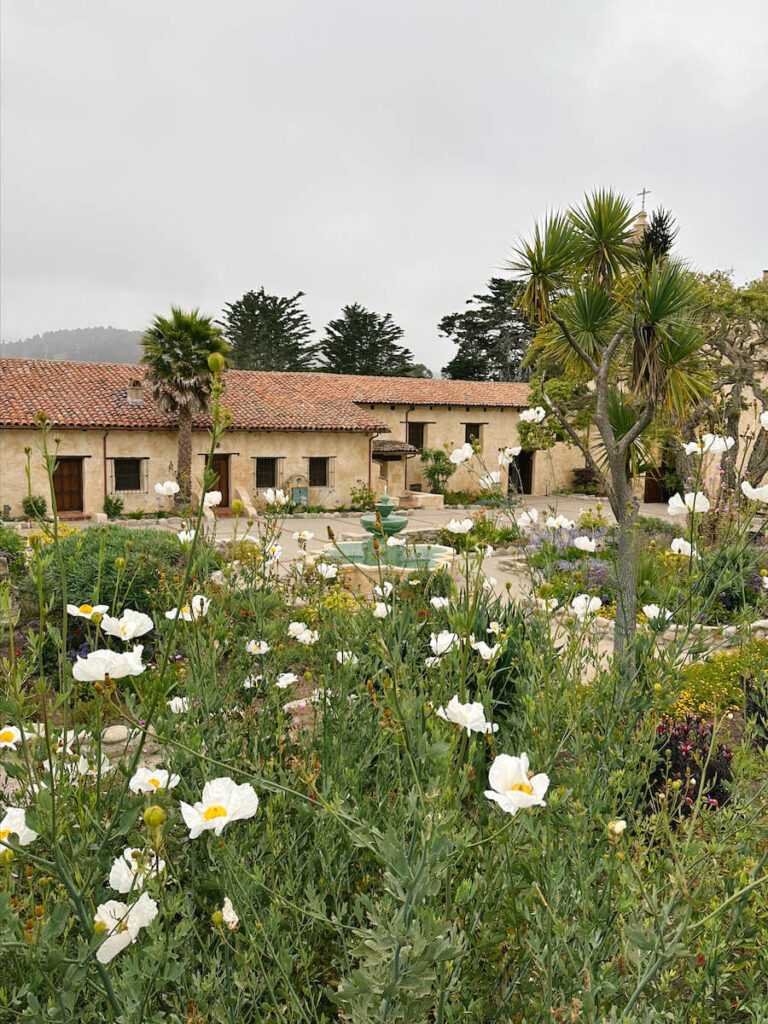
[(184, 458)]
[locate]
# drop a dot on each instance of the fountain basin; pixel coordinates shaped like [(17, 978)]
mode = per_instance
[(357, 561)]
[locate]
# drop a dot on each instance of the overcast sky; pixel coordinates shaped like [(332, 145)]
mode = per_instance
[(185, 151)]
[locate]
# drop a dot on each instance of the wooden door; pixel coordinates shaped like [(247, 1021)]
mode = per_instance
[(521, 473), (220, 466), (68, 484)]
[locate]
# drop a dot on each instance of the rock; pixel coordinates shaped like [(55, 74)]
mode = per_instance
[(115, 734)]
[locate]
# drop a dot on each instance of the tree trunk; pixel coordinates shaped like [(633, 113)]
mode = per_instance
[(625, 508), (184, 458)]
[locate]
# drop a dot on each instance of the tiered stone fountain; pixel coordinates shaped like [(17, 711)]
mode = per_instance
[(361, 561)]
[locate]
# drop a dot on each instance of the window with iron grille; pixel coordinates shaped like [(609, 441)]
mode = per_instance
[(318, 472), (472, 432), (416, 435), (266, 472), (128, 475)]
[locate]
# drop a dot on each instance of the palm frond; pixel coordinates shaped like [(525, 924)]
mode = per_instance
[(603, 226), (542, 266)]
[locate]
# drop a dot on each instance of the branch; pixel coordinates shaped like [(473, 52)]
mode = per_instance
[(580, 352), (643, 421)]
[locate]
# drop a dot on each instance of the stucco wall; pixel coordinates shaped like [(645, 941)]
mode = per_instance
[(349, 452), (446, 425)]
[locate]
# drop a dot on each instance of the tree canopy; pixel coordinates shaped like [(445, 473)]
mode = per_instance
[(363, 342), (492, 336), (268, 332)]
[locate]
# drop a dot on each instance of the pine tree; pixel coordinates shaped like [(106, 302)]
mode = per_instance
[(268, 332), (363, 342), (492, 336)]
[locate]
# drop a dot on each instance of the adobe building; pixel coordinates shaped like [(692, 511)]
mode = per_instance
[(316, 435)]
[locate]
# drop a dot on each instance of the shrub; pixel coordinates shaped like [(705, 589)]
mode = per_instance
[(459, 497), (686, 764), (12, 547), (90, 562), (137, 514), (586, 480), (362, 496), (718, 684), (113, 506), (35, 506), (438, 468)]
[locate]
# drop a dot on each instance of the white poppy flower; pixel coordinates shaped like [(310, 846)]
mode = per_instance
[(87, 611), (680, 546), (251, 681), (211, 499), (304, 535), (381, 610), (432, 661), (122, 923), (10, 737), (495, 628), (222, 801), (346, 658), (102, 767), (459, 455), (510, 786), (559, 522), (308, 637), (547, 604), (177, 705), (693, 448), (439, 602), (584, 605), (14, 823), (186, 536), (131, 870), (294, 628), (273, 553), (754, 493), (275, 496), (716, 445), (483, 649), (167, 489), (395, 542), (384, 590), (327, 571), (459, 526), (130, 625), (536, 415), (506, 455), (96, 666), (490, 479), (764, 420), (653, 613), (528, 518), (285, 679), (693, 502), (442, 642), (489, 583), (257, 647), (469, 716), (150, 780), (585, 544), (196, 609), (229, 917)]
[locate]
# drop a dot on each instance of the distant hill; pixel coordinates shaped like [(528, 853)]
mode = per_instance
[(83, 345)]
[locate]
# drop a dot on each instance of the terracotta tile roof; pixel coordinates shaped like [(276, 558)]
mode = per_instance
[(383, 446), (94, 395)]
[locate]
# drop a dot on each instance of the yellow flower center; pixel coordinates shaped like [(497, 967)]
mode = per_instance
[(5, 833), (217, 811), (6, 736), (154, 782), (521, 787), (121, 926), (85, 609), (184, 609)]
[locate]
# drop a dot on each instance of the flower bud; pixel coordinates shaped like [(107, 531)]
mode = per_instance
[(154, 816), (6, 856), (96, 618), (119, 563), (99, 927), (29, 870), (238, 507), (657, 687), (38, 910), (215, 362), (218, 918)]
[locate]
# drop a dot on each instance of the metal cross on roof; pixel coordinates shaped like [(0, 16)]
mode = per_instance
[(644, 193)]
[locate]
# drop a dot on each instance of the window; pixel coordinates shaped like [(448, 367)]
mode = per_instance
[(318, 472), (266, 473), (416, 435), (472, 432), (128, 475)]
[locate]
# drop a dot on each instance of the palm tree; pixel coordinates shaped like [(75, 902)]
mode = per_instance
[(615, 311), (176, 353)]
